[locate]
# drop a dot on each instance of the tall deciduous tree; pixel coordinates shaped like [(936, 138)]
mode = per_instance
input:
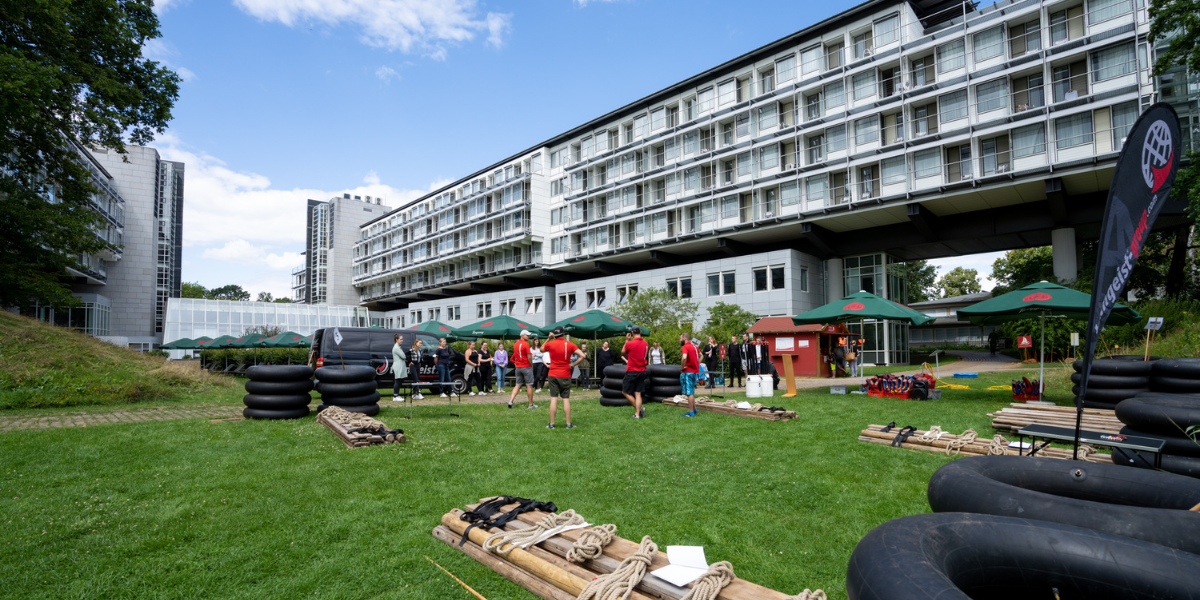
[(959, 282), (665, 314), (725, 320), (229, 292), (265, 297), (921, 278), (193, 289), (1021, 267)]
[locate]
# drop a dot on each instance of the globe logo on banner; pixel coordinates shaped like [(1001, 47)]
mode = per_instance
[(1156, 155)]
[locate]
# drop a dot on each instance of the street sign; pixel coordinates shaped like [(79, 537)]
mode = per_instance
[(721, 350), (1025, 341), (1075, 339), (1154, 323)]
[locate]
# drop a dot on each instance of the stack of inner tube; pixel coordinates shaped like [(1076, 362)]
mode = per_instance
[(1166, 414), (352, 389), (277, 392), (1113, 380), (610, 386), (663, 383)]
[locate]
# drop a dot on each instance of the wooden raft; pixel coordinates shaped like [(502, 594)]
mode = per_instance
[(714, 407), (355, 440), (874, 434), (544, 570), (1018, 415)]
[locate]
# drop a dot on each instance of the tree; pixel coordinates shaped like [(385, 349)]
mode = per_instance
[(665, 314), (725, 320), (229, 292), (265, 297), (74, 77), (959, 282), (1178, 23), (1021, 267), (192, 289), (282, 300), (921, 278)]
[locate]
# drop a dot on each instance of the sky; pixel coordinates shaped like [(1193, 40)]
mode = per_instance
[(286, 100)]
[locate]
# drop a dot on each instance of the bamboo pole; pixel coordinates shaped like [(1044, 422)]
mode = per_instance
[(460, 582), (509, 571), (536, 566)]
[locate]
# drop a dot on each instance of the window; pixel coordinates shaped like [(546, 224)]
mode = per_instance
[(892, 170), (1112, 62), (864, 85), (816, 149), (558, 158), (886, 30), (1075, 130), (625, 293), (768, 157), (815, 187), (920, 72), (835, 94), (729, 207), (1123, 116), (952, 107), (681, 288), (789, 193), (658, 119), (991, 95), (866, 130), (658, 223), (721, 284), (1103, 10), (777, 280), (951, 56), (988, 44), (726, 92), (927, 164), (1028, 141), (742, 124), (862, 45), (1028, 92), (558, 187), (483, 310), (766, 81), (558, 245), (768, 117), (705, 99), (508, 307), (810, 60), (837, 138), (454, 313), (1024, 38), (1070, 81), (639, 126), (785, 68), (745, 164), (566, 302), (760, 279), (814, 106), (596, 298), (691, 142)]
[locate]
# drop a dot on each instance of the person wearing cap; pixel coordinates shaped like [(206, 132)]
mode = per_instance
[(634, 384), (689, 372), (523, 368), (561, 351)]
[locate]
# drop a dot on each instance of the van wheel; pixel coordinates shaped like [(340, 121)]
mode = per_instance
[(459, 382)]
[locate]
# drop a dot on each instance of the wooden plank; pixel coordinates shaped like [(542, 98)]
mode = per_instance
[(538, 567), (739, 412), (509, 571)]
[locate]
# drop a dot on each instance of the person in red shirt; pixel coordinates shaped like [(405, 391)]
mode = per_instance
[(561, 352), (634, 384), (690, 371), (523, 369)]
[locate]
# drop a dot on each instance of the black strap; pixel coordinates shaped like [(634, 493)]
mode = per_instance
[(488, 515), (772, 409), (888, 428), (903, 435)]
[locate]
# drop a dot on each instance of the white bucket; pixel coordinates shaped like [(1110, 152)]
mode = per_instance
[(766, 386), (754, 386)]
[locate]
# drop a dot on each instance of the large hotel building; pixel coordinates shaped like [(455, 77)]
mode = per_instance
[(807, 169)]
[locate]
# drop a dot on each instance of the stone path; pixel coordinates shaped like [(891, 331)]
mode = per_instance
[(131, 415)]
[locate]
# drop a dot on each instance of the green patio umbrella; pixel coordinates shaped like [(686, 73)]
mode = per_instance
[(247, 341), (220, 343), (440, 329), (596, 322), (501, 328), (287, 339), (1042, 299), (180, 344), (860, 306)]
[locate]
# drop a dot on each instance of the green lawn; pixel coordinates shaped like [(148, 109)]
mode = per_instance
[(251, 509)]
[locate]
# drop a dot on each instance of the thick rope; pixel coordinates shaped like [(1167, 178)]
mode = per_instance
[(998, 446), (521, 538), (591, 543), (934, 434), (710, 584), (1083, 451), (619, 584), (808, 594), (955, 446)]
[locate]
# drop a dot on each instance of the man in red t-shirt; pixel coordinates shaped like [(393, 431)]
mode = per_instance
[(561, 352), (634, 384), (690, 372), (523, 369)]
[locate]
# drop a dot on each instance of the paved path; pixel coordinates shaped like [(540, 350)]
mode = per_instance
[(130, 415), (971, 356)]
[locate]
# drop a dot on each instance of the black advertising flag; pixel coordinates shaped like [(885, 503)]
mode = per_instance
[(1141, 183)]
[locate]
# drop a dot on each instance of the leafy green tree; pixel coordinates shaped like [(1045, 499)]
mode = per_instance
[(665, 314), (725, 320), (193, 289), (921, 278), (1178, 23), (265, 297), (282, 300), (229, 292), (74, 77), (959, 282), (1021, 267)]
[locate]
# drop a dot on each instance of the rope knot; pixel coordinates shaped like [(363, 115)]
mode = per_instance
[(591, 543), (709, 586)]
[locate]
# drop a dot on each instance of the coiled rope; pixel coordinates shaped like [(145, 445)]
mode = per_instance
[(955, 446), (934, 434), (998, 446), (1083, 451), (710, 584), (619, 584), (549, 524), (808, 594), (591, 543)]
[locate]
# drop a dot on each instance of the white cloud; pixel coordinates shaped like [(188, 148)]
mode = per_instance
[(164, 52), (585, 2), (371, 178), (386, 74), (161, 6), (391, 24)]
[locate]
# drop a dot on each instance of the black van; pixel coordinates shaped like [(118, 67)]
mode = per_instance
[(373, 347)]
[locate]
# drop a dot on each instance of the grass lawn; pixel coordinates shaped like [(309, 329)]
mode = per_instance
[(258, 509)]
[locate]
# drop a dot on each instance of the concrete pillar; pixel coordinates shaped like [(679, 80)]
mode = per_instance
[(1066, 268), (835, 279)]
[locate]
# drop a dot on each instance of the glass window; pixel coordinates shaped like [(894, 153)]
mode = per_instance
[(837, 138), (991, 95), (804, 280), (886, 30), (1103, 10), (864, 85), (727, 281), (729, 207), (1113, 62), (658, 119), (835, 94), (988, 44), (892, 170), (768, 117), (789, 193), (810, 60), (951, 56), (726, 92), (1123, 116), (926, 163), (768, 157), (785, 68), (760, 279), (705, 98), (952, 107), (1075, 130), (777, 280), (866, 130), (815, 187)]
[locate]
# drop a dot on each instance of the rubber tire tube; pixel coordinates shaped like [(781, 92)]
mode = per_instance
[(1119, 368), (655, 399), (348, 401), (351, 374), (663, 382), (1112, 382), (1177, 395), (1135, 358), (1164, 414), (1185, 368), (279, 372), (611, 383), (344, 390), (258, 413), (1188, 466), (276, 402), (1174, 445), (663, 391), (665, 371), (1100, 405), (611, 393), (955, 556), (614, 371), (1109, 395), (1145, 505), (278, 388), (370, 409), (1174, 385), (614, 402)]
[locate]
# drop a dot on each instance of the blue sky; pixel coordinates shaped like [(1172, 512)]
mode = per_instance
[(285, 100)]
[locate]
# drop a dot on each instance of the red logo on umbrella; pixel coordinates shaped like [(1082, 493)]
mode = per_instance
[(1037, 297), (443, 328), (617, 320), (854, 306), (488, 324), (578, 319), (523, 325)]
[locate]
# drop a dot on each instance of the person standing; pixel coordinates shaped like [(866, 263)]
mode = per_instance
[(735, 361), (852, 354), (500, 359), (561, 351), (442, 357), (604, 359), (414, 368), (634, 384), (485, 369), (689, 372), (399, 368), (472, 369), (749, 359), (522, 360), (585, 368), (839, 355), (712, 357), (764, 357), (657, 356), (539, 366)]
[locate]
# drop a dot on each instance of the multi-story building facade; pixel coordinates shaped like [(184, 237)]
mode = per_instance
[(325, 276), (893, 131)]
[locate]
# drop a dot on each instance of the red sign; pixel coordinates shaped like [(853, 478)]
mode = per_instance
[(1037, 297), (1024, 341), (721, 351), (854, 306)]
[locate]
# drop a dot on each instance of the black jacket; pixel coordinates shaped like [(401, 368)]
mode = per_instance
[(735, 352), (604, 358)]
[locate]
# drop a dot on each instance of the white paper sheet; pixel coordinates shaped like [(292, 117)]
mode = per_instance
[(784, 343), (687, 565), (680, 576)]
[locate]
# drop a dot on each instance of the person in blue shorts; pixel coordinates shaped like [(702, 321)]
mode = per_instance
[(690, 372)]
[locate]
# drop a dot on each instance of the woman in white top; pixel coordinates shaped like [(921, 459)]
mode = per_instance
[(656, 355), (536, 361)]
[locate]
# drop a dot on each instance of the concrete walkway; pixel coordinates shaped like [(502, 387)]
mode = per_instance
[(131, 415)]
